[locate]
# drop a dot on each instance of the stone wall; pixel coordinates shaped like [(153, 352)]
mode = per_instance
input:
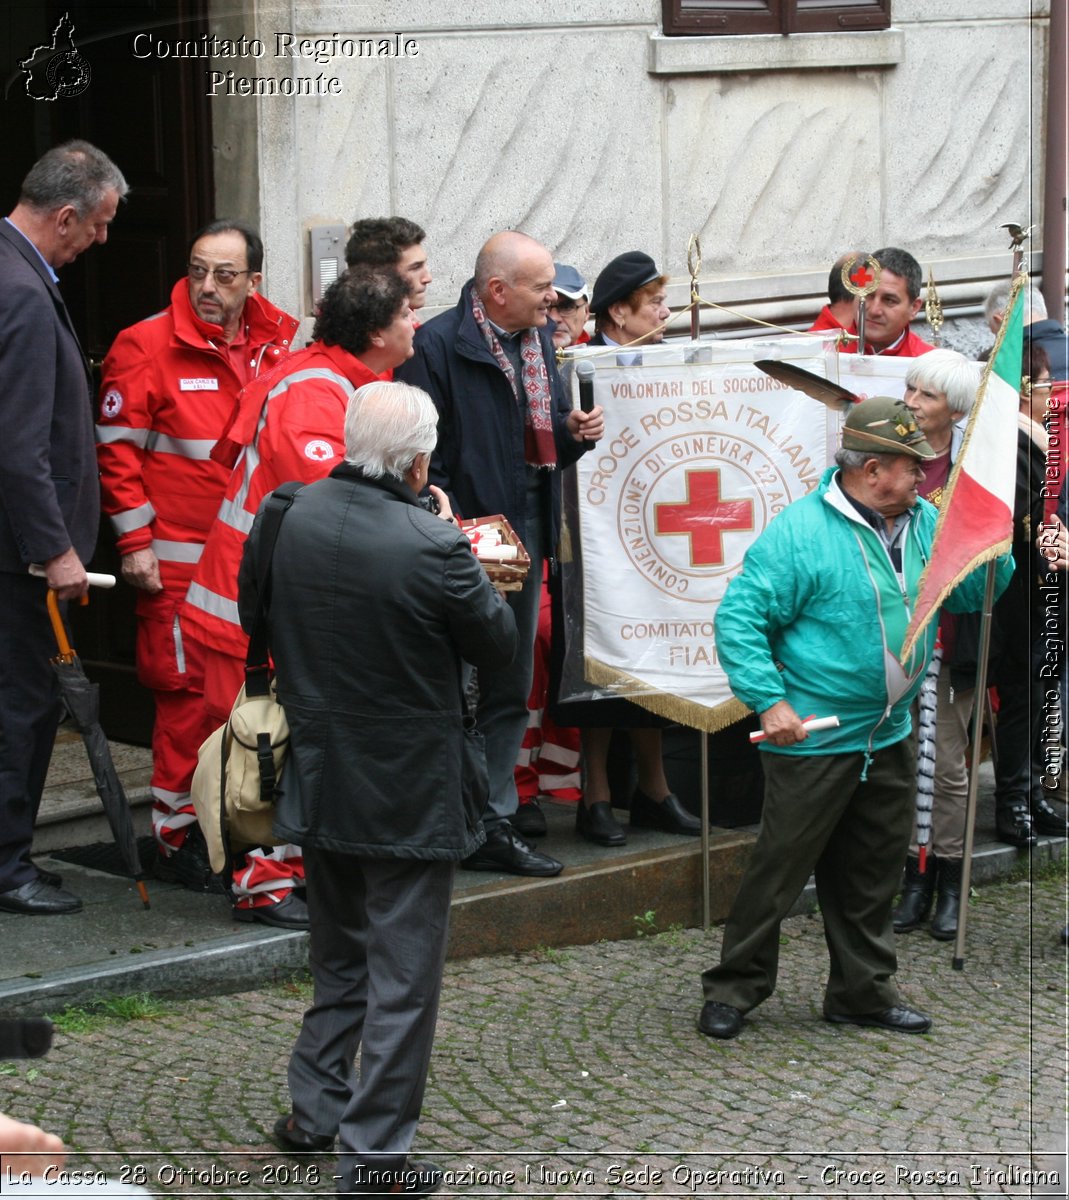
[(599, 135)]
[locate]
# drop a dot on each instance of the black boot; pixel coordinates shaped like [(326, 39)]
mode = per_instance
[(915, 902), (1046, 817), (944, 926), (1013, 823)]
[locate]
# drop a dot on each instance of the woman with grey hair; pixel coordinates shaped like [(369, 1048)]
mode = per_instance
[(940, 389)]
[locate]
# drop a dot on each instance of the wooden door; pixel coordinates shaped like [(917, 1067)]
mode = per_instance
[(152, 118)]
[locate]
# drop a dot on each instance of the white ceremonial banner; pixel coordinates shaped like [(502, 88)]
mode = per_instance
[(701, 450), (870, 374)]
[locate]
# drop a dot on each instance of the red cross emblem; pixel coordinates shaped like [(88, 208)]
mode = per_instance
[(318, 451), (861, 276), (704, 517)]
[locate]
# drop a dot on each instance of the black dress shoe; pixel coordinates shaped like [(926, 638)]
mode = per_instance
[(669, 815), (288, 1135), (289, 913), (52, 878), (1046, 819), (1013, 824), (596, 823), (898, 1019), (504, 850), (416, 1178), (39, 899), (529, 820), (719, 1020)]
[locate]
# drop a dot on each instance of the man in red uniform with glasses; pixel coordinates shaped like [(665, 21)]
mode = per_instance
[(169, 387)]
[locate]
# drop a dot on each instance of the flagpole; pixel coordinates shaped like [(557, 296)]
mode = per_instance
[(694, 265), (974, 769), (706, 917), (1018, 279)]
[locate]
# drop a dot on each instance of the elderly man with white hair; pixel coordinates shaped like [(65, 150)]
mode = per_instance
[(374, 604)]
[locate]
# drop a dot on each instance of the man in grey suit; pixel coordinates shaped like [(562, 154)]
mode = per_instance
[(373, 605), (49, 496)]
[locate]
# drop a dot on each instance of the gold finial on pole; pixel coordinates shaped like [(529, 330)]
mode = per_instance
[(694, 266), (1018, 236), (933, 307), (861, 277)]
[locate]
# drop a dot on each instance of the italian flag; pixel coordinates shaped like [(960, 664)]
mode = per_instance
[(976, 516)]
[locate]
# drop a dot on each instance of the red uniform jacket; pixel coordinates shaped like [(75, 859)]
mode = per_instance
[(290, 424), (907, 346), (168, 391)]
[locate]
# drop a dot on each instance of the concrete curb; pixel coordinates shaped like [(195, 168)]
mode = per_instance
[(258, 957)]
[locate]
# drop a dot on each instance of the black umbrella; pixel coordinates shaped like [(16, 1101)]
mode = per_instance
[(82, 700)]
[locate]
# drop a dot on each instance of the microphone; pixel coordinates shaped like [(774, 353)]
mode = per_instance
[(585, 370)]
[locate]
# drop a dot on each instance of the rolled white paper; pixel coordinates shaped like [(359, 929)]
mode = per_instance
[(813, 724), (96, 578)]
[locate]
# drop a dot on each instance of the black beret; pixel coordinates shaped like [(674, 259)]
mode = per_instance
[(624, 275)]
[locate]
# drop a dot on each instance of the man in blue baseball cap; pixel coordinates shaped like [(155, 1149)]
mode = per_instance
[(572, 308)]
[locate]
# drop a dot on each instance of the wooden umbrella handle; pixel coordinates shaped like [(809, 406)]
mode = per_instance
[(66, 651)]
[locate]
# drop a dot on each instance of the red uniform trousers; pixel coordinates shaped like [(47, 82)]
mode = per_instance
[(548, 762), (175, 674)]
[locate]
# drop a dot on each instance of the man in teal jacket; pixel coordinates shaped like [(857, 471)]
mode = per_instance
[(813, 625)]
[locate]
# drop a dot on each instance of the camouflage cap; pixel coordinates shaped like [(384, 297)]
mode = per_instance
[(883, 425)]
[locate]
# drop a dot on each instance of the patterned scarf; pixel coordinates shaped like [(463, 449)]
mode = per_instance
[(540, 449)]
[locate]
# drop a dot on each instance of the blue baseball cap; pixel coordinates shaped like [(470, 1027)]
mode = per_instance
[(569, 282)]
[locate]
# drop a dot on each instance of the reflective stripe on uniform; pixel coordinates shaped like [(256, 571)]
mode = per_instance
[(183, 552), (198, 449), (133, 518), (122, 433), (234, 511), (213, 604)]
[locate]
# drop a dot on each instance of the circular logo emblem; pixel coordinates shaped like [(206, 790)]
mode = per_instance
[(111, 405), (318, 450), (68, 73), (861, 275), (684, 503)]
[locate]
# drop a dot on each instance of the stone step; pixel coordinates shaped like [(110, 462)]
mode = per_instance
[(71, 813), (187, 943)]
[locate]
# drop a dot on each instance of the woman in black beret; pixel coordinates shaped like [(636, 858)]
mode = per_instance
[(629, 306)]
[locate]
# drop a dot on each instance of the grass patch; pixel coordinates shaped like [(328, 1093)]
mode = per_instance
[(298, 986), (87, 1017), (548, 954), (645, 923)]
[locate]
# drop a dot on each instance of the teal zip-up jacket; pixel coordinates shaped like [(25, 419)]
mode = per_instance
[(817, 618)]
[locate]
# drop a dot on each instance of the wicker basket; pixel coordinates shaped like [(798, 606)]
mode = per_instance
[(506, 574)]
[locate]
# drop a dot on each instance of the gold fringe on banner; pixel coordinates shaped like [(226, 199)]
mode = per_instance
[(663, 704)]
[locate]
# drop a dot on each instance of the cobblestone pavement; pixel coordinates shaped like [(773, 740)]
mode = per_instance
[(578, 1072)]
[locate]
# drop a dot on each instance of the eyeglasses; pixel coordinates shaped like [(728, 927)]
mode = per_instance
[(223, 275), (564, 306)]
